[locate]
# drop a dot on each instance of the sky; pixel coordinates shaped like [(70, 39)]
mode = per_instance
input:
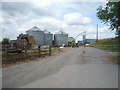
[(71, 17)]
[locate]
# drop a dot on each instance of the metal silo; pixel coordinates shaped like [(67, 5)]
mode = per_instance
[(61, 38), (37, 34), (48, 38)]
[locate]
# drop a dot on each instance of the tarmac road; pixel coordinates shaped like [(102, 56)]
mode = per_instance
[(69, 69)]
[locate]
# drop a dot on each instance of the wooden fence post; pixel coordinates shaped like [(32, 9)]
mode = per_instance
[(49, 49), (7, 56), (25, 50), (39, 47)]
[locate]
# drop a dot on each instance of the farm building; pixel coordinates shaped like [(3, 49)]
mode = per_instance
[(60, 38), (71, 40), (48, 38), (38, 35)]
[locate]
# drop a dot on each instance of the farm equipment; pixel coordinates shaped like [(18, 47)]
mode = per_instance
[(75, 44)]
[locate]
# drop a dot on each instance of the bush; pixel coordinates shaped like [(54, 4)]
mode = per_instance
[(5, 41)]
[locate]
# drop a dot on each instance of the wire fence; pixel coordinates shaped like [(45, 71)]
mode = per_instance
[(113, 48)]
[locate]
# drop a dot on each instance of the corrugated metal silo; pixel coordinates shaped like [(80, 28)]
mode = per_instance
[(48, 38), (61, 38), (37, 34)]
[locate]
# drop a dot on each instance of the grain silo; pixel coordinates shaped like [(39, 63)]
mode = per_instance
[(37, 34), (48, 38), (61, 38)]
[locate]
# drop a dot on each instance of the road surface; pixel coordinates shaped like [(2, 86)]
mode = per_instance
[(69, 69)]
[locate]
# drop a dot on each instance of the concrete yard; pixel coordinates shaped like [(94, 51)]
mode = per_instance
[(69, 69)]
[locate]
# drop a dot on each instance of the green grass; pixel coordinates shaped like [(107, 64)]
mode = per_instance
[(37, 50), (109, 41), (108, 48)]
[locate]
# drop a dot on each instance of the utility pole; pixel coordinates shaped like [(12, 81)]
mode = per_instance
[(84, 38), (84, 41), (97, 34)]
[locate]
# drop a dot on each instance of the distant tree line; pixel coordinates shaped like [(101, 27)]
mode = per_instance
[(5, 41)]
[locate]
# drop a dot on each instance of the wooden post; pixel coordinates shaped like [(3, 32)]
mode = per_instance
[(25, 50), (7, 55), (49, 49), (39, 47)]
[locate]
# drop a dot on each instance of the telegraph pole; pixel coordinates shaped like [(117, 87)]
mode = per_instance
[(84, 41), (97, 34)]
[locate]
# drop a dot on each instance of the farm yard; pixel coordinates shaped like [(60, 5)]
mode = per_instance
[(54, 44), (71, 68), (10, 57)]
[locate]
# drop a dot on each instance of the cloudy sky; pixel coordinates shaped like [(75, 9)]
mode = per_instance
[(71, 17)]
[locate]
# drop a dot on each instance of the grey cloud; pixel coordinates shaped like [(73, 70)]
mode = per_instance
[(74, 23), (42, 11), (6, 21), (12, 8), (18, 12), (23, 8), (9, 32)]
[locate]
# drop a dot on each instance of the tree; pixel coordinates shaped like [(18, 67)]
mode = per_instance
[(5, 41), (110, 15)]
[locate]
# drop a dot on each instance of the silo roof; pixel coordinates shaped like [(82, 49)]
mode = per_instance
[(60, 32), (35, 28)]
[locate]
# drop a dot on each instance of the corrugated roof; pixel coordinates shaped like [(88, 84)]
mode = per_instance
[(35, 28), (60, 32)]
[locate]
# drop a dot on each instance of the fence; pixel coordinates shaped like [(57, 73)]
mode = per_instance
[(15, 54), (113, 48)]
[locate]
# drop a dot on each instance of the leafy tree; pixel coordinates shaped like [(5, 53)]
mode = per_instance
[(110, 15), (5, 41)]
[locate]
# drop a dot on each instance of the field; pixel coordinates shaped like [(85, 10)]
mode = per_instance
[(110, 44)]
